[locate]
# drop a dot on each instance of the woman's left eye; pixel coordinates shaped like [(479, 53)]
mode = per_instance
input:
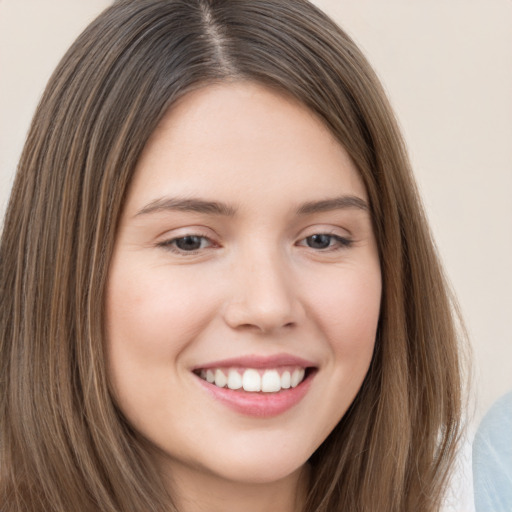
[(187, 243), (324, 241)]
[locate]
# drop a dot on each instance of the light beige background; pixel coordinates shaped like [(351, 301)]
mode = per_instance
[(447, 66)]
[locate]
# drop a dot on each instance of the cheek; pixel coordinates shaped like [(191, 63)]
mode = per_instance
[(348, 304), (348, 313), (154, 314), (149, 323)]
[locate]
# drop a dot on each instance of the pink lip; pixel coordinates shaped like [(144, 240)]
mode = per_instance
[(254, 361), (260, 405)]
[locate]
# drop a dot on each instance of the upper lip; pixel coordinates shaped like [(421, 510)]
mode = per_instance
[(257, 361)]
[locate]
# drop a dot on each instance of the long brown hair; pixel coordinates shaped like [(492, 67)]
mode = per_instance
[(64, 445)]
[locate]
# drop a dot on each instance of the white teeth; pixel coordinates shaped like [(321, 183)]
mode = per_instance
[(252, 380), (297, 377), (220, 379), (286, 380), (270, 382), (234, 380)]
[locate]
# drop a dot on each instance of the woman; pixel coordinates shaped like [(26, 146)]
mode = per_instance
[(218, 286)]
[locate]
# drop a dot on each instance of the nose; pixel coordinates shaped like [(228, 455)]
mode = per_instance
[(263, 297)]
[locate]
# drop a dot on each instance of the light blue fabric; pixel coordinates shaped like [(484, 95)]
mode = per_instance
[(492, 459)]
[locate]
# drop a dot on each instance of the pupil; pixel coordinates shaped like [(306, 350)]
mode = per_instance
[(319, 241), (189, 243)]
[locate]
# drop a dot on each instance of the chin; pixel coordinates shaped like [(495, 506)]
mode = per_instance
[(262, 471), (242, 464)]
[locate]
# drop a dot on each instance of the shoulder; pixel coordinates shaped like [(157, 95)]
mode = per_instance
[(492, 458)]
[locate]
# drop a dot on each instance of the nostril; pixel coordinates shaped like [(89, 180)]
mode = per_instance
[(259, 308)]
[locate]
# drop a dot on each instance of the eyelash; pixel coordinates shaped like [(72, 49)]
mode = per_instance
[(170, 245), (340, 243)]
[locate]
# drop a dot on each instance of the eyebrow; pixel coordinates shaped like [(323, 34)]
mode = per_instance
[(223, 209), (335, 203), (188, 205)]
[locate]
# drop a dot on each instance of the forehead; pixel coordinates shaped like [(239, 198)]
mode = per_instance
[(243, 142)]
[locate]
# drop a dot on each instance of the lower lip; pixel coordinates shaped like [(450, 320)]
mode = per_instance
[(261, 405)]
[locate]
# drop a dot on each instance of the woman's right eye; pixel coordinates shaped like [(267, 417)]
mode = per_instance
[(188, 244)]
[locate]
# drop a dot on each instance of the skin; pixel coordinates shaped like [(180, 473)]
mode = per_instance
[(256, 285)]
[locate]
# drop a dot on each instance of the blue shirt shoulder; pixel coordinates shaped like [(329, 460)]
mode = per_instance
[(492, 459)]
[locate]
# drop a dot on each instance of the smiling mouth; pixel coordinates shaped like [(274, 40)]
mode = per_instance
[(255, 380)]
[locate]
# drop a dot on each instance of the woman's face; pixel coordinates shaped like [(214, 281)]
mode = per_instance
[(245, 286)]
